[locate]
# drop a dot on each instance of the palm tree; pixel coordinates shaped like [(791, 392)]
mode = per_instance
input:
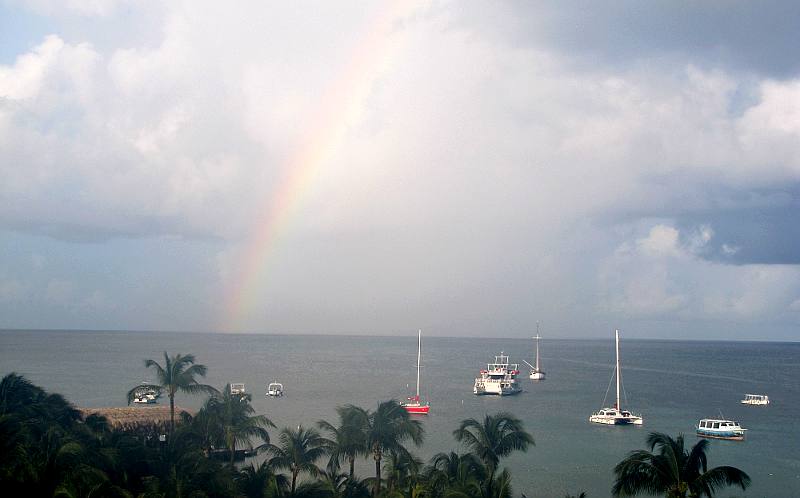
[(496, 437), (261, 481), (497, 486), (232, 415), (402, 473), (347, 441), (673, 471), (385, 431), (177, 374), (455, 475), (342, 486), (298, 450)]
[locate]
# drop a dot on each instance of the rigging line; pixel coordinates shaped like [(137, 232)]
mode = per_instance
[(624, 393), (608, 388)]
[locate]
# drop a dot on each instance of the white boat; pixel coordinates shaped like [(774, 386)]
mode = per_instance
[(413, 404), (499, 378), (755, 399), (615, 415), (275, 389), (146, 394), (720, 429), (536, 372), (237, 389)]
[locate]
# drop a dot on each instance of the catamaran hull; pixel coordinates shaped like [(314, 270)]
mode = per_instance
[(489, 390), (616, 420)]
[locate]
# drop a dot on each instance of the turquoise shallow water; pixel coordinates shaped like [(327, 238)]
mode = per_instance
[(672, 384)]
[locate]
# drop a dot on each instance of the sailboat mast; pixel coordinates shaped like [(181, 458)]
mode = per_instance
[(616, 334), (537, 346), (419, 357)]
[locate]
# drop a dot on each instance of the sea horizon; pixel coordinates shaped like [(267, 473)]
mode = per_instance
[(393, 335)]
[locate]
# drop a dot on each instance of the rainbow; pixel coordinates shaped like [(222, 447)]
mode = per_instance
[(340, 107)]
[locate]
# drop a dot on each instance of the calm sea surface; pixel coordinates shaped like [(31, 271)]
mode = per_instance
[(672, 384)]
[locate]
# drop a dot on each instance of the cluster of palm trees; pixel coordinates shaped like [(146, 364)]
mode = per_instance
[(47, 448)]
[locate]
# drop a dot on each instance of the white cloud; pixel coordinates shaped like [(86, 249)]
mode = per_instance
[(12, 290), (663, 277), (426, 134), (661, 241), (82, 7), (730, 250), (59, 292)]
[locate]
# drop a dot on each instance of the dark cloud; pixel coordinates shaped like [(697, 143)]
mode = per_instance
[(760, 37), (757, 235)]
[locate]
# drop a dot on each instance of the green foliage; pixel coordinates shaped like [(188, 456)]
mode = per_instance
[(672, 471), (385, 431), (48, 449), (298, 450), (496, 437), (348, 440), (177, 375), (228, 420)]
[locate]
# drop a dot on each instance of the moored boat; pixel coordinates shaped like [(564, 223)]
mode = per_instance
[(413, 404), (275, 389), (237, 389), (499, 378), (755, 399), (146, 394), (720, 429), (536, 372), (616, 415)]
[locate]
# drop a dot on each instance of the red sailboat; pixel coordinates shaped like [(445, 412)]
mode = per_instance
[(413, 405)]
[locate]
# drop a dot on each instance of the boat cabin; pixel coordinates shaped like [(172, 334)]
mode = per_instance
[(718, 424), (237, 388), (755, 399)]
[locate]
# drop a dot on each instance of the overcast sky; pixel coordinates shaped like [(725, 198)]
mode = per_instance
[(468, 168)]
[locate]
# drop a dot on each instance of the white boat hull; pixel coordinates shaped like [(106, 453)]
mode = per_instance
[(537, 375), (616, 419), (731, 435), (483, 387), (760, 401)]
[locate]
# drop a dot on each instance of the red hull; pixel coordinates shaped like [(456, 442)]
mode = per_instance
[(417, 409)]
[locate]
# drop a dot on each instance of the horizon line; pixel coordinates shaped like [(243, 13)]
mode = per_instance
[(342, 334)]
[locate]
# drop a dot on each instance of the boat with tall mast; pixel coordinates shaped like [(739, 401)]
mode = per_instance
[(536, 372), (413, 404), (616, 415)]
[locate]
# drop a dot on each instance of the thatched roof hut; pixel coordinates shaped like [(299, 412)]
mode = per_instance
[(135, 416)]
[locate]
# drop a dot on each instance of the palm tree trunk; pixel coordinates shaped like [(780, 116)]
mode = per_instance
[(352, 466), (294, 478), (233, 451), (171, 413), (377, 488)]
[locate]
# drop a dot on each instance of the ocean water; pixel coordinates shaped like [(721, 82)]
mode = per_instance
[(671, 383)]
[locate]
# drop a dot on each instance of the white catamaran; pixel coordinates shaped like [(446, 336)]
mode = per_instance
[(615, 415)]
